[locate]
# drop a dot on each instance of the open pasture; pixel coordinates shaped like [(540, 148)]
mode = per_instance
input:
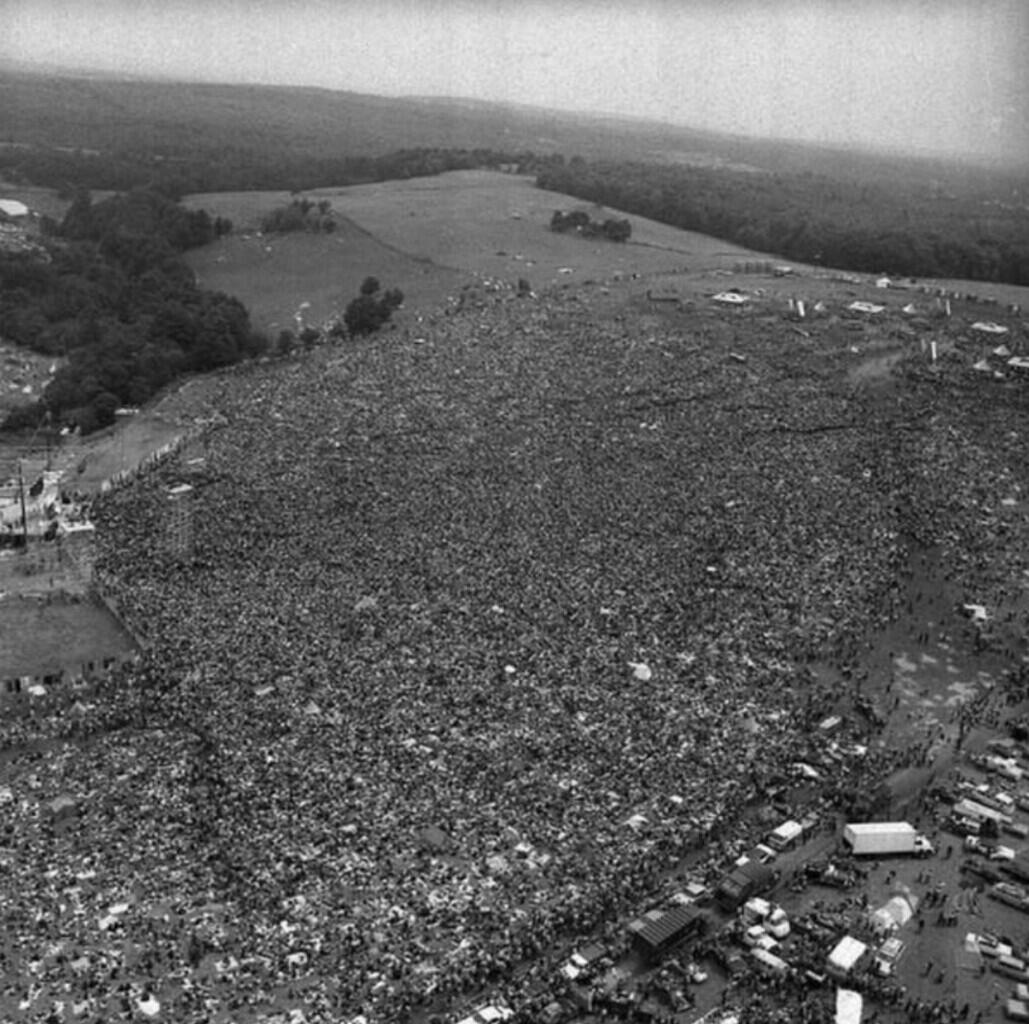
[(274, 275), (498, 225)]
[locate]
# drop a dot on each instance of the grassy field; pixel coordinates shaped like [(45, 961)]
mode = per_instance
[(428, 235)]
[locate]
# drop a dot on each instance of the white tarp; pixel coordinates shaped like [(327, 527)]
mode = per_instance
[(847, 953), (989, 327), (865, 307), (849, 1005)]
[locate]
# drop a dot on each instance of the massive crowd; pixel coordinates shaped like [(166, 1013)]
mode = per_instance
[(484, 623)]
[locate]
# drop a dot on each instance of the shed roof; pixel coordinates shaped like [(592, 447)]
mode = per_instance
[(657, 932)]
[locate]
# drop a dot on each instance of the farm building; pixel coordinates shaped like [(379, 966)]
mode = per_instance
[(12, 210)]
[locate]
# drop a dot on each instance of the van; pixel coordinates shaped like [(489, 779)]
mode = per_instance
[(1014, 828)]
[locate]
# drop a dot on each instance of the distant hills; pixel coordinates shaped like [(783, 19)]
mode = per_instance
[(173, 120)]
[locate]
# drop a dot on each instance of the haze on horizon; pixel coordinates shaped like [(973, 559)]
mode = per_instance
[(923, 76)]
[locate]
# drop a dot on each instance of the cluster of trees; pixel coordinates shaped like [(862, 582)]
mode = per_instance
[(372, 308), (300, 215), (118, 302), (904, 228), (612, 229)]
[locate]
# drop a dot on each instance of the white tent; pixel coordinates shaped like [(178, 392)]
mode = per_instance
[(893, 914)]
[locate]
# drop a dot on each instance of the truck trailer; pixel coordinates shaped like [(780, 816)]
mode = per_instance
[(885, 839)]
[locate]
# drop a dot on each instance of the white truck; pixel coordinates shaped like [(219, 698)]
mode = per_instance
[(885, 839)]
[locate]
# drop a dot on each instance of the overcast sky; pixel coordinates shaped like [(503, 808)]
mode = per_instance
[(940, 75)]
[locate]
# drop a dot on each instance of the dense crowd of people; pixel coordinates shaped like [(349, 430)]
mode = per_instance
[(481, 625)]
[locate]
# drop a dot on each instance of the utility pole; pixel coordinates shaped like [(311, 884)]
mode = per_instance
[(24, 517)]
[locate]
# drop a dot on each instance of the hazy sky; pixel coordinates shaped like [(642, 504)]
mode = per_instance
[(943, 75)]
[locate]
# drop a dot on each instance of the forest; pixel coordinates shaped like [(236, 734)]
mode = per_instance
[(906, 229), (116, 300), (225, 169)]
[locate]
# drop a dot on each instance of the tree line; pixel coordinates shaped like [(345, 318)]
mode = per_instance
[(115, 298), (903, 228), (233, 169)]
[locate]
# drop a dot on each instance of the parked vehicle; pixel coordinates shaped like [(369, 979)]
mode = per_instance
[(788, 834), (750, 879), (778, 924), (1002, 853), (1010, 894), (885, 838), (962, 826), (1011, 967), (979, 868)]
